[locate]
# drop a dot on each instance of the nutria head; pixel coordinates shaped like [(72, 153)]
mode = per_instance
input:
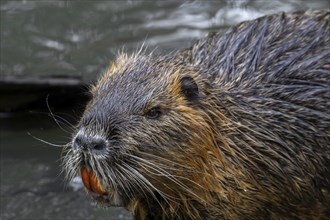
[(139, 139)]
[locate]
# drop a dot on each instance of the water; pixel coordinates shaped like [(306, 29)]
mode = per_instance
[(80, 39)]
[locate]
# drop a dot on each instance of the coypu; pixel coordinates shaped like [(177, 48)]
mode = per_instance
[(235, 127)]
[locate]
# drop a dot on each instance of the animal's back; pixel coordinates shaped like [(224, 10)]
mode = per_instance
[(271, 82)]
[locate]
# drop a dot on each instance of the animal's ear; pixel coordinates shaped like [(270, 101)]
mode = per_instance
[(189, 87)]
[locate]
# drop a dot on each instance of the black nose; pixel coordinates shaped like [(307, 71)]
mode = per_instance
[(89, 143)]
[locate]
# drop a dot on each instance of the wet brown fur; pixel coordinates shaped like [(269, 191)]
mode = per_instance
[(220, 155)]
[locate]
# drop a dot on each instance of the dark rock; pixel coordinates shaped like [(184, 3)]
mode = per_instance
[(21, 93)]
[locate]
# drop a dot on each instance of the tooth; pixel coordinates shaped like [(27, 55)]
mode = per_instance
[(95, 185), (85, 177)]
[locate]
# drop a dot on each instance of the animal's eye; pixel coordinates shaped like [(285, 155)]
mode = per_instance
[(154, 113)]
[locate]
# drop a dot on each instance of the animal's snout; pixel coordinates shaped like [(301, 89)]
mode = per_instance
[(94, 144)]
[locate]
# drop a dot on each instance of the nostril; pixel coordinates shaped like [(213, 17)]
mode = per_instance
[(85, 143), (77, 143), (98, 145)]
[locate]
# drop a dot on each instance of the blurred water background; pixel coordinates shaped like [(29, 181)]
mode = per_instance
[(76, 40)]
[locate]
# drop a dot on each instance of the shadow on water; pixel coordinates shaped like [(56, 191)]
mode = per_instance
[(77, 40)]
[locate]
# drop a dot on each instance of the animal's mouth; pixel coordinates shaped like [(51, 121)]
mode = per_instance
[(91, 182), (96, 190)]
